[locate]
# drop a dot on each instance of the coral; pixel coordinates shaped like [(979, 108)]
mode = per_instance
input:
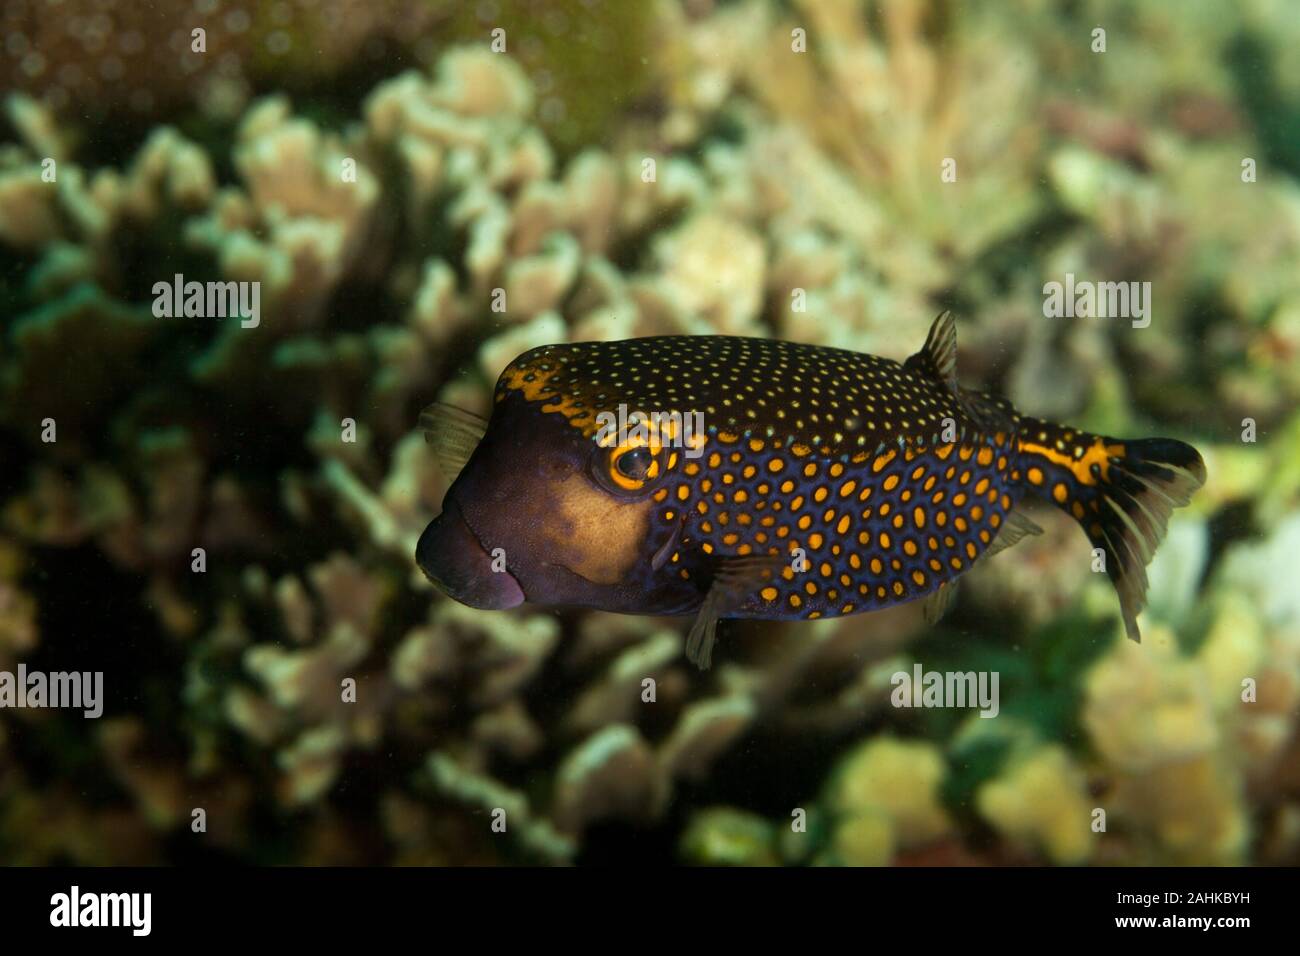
[(1042, 799), (886, 797), (412, 232)]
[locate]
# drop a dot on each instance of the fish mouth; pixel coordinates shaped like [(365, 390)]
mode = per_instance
[(455, 560)]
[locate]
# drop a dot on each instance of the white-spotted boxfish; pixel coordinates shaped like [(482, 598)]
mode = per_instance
[(823, 482)]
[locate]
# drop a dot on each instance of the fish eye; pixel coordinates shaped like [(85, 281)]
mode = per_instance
[(629, 468), (634, 463)]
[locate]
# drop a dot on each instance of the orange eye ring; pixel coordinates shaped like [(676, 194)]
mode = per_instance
[(632, 467), (629, 470)]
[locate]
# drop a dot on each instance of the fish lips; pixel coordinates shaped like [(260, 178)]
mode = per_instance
[(454, 559)]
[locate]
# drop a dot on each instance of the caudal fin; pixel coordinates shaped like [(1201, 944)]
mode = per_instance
[(1120, 492)]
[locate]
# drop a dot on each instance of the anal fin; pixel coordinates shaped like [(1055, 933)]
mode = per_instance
[(1014, 527)]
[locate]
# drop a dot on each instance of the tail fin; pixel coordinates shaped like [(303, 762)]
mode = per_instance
[(1120, 492)]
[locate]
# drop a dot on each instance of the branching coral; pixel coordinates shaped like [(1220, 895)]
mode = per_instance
[(242, 503)]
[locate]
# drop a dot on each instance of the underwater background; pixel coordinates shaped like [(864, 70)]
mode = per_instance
[(1172, 157)]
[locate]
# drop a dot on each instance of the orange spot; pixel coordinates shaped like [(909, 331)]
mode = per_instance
[(1098, 453)]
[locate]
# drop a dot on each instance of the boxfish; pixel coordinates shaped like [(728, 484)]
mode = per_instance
[(822, 483)]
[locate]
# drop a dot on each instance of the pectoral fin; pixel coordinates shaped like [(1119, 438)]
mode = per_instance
[(453, 433), (734, 580), (939, 602)]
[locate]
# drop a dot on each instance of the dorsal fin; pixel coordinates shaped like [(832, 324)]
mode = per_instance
[(938, 357)]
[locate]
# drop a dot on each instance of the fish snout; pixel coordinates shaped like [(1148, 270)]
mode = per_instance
[(453, 558)]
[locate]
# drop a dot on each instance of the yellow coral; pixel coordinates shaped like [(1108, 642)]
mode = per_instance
[(865, 841), (1042, 799), (1153, 720), (1146, 706), (897, 778)]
